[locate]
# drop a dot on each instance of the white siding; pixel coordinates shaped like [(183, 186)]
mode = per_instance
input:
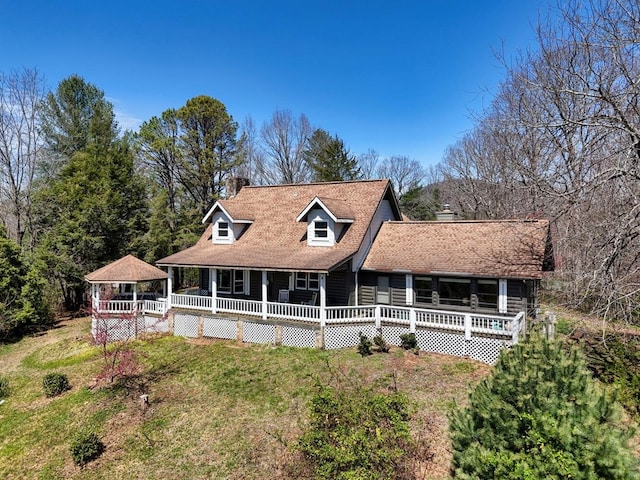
[(318, 214)]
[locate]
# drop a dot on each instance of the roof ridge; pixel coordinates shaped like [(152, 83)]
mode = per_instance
[(336, 182)]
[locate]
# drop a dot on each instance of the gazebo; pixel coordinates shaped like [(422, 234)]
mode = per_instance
[(128, 270)]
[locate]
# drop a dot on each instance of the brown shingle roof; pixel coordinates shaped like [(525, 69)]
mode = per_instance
[(128, 269), (505, 249), (275, 240)]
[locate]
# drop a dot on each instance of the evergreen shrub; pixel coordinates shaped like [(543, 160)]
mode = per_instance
[(364, 347), (541, 415), (86, 447), (55, 383), (408, 341)]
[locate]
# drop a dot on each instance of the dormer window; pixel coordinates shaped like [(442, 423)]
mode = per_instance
[(320, 229), (223, 229)]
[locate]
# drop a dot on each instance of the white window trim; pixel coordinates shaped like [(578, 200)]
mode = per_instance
[(301, 277)]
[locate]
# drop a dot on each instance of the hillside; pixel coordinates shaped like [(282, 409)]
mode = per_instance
[(217, 409)]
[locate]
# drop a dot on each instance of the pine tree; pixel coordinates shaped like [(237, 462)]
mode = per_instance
[(540, 415), (329, 159)]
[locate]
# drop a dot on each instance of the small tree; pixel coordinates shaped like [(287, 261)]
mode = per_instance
[(540, 415)]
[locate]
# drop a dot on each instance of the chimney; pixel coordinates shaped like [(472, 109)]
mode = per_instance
[(233, 185), (446, 215)]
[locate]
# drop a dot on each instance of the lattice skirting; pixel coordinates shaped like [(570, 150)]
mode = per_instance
[(185, 325), (156, 324), (486, 350), (219, 328), (116, 329), (258, 333), (298, 337), (391, 334), (341, 336)]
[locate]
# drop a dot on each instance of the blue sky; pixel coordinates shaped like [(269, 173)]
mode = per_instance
[(400, 77)]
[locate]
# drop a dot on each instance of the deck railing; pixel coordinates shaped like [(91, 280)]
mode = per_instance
[(409, 317)]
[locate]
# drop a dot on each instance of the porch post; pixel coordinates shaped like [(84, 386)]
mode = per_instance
[(323, 299), (502, 295), (264, 294), (213, 279), (409, 289), (169, 287), (135, 297)]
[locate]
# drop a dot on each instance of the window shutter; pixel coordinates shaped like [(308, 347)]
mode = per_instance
[(247, 281), (292, 281), (502, 295)]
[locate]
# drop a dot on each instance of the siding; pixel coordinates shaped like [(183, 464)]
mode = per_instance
[(383, 214)]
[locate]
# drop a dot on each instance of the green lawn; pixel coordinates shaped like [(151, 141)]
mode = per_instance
[(218, 409)]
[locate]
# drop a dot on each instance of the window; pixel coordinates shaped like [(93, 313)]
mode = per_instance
[(223, 229), (224, 281), (313, 281), (422, 288), (488, 294), (307, 281), (301, 281), (382, 292), (238, 281), (455, 291), (320, 229)]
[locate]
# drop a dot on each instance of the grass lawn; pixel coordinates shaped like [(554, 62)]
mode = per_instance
[(218, 409)]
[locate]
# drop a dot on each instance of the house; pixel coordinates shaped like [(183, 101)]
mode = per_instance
[(318, 264)]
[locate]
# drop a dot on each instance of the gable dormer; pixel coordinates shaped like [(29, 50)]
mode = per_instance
[(225, 227), (326, 220)]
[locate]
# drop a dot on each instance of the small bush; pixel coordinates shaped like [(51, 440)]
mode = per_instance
[(364, 347), (4, 387), (55, 383), (408, 341), (381, 344), (357, 433), (86, 447)]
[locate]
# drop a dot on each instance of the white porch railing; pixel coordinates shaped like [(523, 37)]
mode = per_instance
[(411, 317)]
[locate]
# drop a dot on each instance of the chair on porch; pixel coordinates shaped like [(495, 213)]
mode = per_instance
[(283, 296), (312, 301)]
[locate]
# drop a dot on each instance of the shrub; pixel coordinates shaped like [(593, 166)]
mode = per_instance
[(408, 341), (55, 383), (364, 347), (540, 415), (357, 433), (4, 387), (381, 344), (86, 447)]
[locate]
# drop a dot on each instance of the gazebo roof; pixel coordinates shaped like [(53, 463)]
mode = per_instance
[(128, 269)]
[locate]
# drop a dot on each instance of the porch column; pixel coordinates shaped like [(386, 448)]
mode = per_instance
[(502, 295), (169, 287), (213, 279), (409, 289), (135, 297), (323, 299), (264, 294)]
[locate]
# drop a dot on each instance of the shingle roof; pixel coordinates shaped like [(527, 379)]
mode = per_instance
[(128, 269), (275, 240), (505, 249)]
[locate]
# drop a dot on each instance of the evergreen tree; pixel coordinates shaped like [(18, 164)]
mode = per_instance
[(22, 289), (329, 159), (540, 415)]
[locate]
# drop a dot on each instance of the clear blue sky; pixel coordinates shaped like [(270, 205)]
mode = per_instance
[(397, 76)]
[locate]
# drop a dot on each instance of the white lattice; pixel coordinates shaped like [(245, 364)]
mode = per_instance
[(298, 337), (154, 324), (258, 333), (486, 349), (113, 329), (347, 335), (219, 328), (441, 342), (185, 325), (391, 334)]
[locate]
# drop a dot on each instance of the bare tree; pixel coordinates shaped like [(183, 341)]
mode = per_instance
[(284, 141), (252, 164), (404, 173), (368, 163), (20, 144)]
